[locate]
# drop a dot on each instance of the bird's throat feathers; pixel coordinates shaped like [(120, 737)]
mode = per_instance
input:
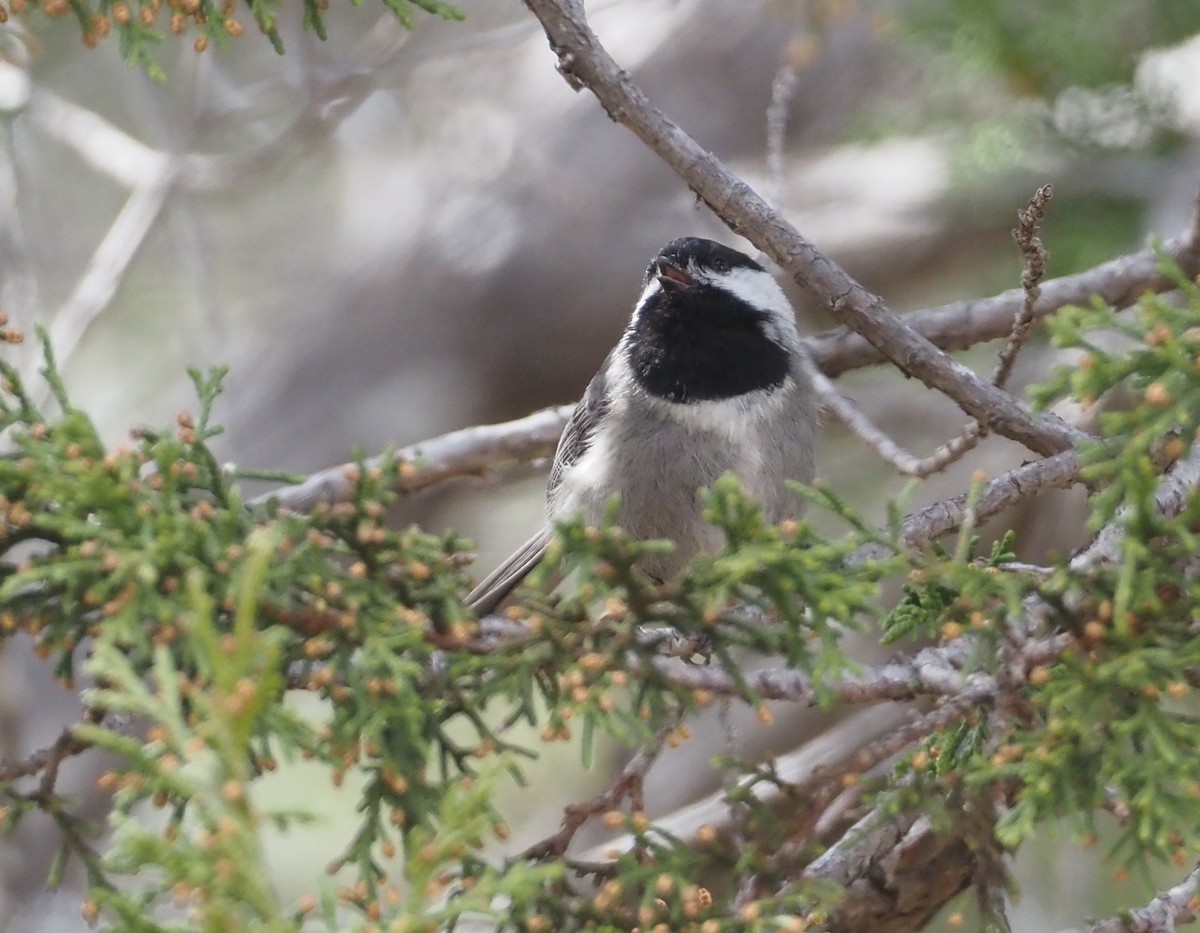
[(701, 345)]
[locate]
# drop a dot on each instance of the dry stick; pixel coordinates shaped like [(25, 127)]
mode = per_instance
[(852, 417), (932, 672), (1034, 254), (821, 787), (872, 735), (19, 297), (108, 265), (825, 759), (583, 62), (153, 174), (65, 746), (46, 761), (824, 751)]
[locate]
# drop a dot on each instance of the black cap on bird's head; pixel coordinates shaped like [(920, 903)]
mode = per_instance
[(677, 263)]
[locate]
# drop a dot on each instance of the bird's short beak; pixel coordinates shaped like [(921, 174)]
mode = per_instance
[(672, 276)]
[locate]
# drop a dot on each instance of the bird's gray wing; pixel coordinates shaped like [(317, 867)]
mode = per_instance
[(496, 586), (581, 428), (575, 440)]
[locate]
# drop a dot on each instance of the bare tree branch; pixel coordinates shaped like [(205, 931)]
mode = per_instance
[(953, 450), (47, 760), (921, 528), (896, 871), (63, 747), (18, 287)]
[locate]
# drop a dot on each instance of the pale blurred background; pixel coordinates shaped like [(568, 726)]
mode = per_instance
[(389, 235)]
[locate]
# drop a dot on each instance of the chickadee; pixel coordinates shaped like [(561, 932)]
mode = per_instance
[(706, 380)]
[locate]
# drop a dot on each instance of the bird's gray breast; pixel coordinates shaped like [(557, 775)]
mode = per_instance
[(656, 456)]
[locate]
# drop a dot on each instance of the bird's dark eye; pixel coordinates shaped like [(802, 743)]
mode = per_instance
[(720, 265)]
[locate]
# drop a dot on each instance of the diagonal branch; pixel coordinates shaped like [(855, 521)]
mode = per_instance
[(109, 262)]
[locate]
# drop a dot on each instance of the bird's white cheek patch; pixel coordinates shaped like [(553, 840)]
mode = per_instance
[(757, 289)]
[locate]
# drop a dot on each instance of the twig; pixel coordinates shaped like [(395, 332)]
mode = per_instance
[(46, 761), (628, 785), (821, 787), (856, 421), (583, 61), (104, 272), (1034, 255), (923, 527), (38, 762), (19, 288), (105, 147), (152, 174), (893, 866), (1165, 912)]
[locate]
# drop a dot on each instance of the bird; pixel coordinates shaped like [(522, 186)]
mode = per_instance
[(707, 379)]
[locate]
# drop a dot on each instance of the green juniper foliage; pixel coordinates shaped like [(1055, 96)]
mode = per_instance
[(193, 613), (141, 24)]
